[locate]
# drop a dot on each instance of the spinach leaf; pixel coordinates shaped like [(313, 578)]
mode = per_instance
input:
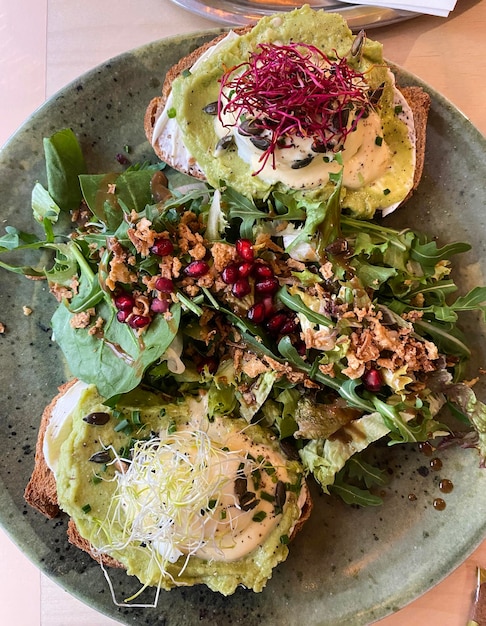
[(107, 194), (45, 210), (64, 163), (115, 358)]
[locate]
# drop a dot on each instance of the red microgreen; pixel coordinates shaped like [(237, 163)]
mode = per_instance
[(293, 90)]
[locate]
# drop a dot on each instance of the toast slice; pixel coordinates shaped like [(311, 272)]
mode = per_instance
[(41, 494), (416, 97)]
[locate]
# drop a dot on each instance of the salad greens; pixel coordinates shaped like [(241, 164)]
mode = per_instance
[(334, 332)]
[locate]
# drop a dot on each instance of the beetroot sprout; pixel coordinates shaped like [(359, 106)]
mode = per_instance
[(292, 90)]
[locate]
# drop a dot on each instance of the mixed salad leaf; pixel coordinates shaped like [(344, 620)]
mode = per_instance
[(332, 331)]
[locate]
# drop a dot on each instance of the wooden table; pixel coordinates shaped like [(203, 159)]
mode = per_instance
[(47, 43)]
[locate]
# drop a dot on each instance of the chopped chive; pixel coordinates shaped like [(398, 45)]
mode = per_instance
[(269, 469), (136, 417), (398, 109), (121, 425), (378, 141), (86, 508), (386, 192), (96, 479), (171, 113), (284, 539), (172, 427), (186, 73), (256, 477), (267, 496), (259, 517), (223, 514)]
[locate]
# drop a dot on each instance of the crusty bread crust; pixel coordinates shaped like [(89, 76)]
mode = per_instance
[(83, 544), (419, 102), (156, 105), (41, 492), (417, 98)]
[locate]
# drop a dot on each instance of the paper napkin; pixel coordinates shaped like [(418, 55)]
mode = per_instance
[(442, 8)]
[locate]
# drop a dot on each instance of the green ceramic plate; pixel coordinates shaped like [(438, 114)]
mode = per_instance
[(351, 566)]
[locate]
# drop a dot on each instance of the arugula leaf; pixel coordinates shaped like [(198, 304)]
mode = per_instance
[(16, 239), (361, 470), (354, 495), (428, 254), (354, 481), (241, 207), (446, 336), (294, 303), (64, 163), (473, 301), (374, 276), (344, 386), (65, 265)]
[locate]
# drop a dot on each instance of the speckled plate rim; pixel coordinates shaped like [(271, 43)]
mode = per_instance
[(364, 612)]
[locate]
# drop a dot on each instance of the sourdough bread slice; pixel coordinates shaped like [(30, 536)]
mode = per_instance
[(41, 493), (416, 97)]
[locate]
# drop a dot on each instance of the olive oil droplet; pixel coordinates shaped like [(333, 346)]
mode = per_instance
[(435, 464), (439, 504), (425, 448), (446, 485)]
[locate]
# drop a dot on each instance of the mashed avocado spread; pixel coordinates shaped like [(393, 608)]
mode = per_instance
[(177, 499), (378, 157)]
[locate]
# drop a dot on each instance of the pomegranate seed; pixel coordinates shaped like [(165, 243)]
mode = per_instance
[(196, 269), (230, 274), (139, 321), (263, 271), (245, 269), (164, 285), (267, 285), (121, 316), (289, 326), (210, 363), (241, 288), (124, 302), (257, 313), (162, 247), (372, 380), (275, 323), (244, 248), (159, 306)]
